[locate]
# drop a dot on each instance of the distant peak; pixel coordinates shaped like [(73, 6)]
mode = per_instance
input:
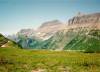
[(50, 23), (85, 19)]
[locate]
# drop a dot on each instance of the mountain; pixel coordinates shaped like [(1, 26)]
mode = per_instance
[(5, 42), (88, 41), (45, 31), (74, 40), (48, 29), (27, 32), (79, 35), (29, 42), (59, 40), (29, 38), (86, 20), (82, 32)]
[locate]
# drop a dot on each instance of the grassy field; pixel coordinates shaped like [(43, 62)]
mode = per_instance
[(20, 60)]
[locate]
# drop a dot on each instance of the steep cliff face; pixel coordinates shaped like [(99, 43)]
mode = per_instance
[(89, 20)]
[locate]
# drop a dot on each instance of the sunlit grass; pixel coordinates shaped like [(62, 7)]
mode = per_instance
[(20, 60)]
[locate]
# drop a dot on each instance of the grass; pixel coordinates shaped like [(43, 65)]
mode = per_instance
[(20, 60)]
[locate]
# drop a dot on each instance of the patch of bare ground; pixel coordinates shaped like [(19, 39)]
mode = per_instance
[(64, 69), (39, 70), (59, 69)]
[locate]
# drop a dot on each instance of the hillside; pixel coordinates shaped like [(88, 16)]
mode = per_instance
[(74, 40), (84, 41), (4, 42), (29, 42)]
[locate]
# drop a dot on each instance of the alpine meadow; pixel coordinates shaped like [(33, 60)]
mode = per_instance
[(49, 36)]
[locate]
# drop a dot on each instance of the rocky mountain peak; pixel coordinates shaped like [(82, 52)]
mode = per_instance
[(51, 23), (86, 18), (49, 28), (26, 32)]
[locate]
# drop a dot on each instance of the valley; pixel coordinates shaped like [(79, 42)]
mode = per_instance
[(49, 35), (54, 47)]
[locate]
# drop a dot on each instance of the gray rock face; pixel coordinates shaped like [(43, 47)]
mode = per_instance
[(83, 19), (26, 32), (47, 29)]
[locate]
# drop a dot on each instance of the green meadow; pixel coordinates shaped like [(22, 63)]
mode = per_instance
[(21, 60)]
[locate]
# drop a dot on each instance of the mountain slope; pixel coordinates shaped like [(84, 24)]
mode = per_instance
[(74, 40), (59, 40), (29, 43), (4, 42), (83, 41)]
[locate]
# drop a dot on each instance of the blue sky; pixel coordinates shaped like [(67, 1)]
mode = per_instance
[(19, 14)]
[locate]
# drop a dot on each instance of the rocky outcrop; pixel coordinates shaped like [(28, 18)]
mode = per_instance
[(26, 32), (88, 20)]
